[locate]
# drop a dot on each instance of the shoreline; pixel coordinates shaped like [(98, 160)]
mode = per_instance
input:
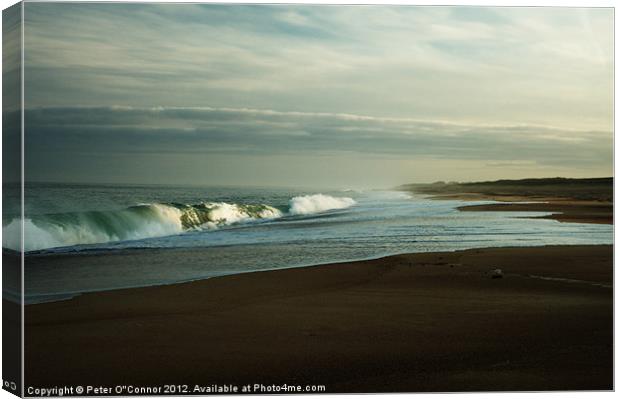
[(565, 210), (582, 200), (405, 323)]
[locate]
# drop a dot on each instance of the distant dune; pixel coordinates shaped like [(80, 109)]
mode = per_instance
[(600, 189)]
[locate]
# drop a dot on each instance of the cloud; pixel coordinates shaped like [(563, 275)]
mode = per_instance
[(158, 91), (11, 57), (484, 65), (260, 131)]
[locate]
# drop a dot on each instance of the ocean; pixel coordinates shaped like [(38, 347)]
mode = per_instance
[(84, 238)]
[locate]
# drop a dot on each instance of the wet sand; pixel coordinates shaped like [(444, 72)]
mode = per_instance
[(406, 323), (563, 210)]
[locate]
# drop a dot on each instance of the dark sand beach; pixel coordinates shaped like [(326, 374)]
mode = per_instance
[(419, 322)]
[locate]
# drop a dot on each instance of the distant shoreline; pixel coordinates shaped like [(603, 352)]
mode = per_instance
[(569, 200)]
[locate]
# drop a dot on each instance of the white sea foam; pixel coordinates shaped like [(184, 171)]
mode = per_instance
[(226, 214), (37, 237), (307, 204)]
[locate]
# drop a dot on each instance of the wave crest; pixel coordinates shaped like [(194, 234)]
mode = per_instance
[(133, 223), (307, 204), (150, 221)]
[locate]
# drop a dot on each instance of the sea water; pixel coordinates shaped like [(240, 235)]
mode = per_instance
[(112, 237)]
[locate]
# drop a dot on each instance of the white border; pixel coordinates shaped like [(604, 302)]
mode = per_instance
[(508, 3)]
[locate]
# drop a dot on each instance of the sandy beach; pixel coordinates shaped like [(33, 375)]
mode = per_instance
[(568, 200), (409, 323), (562, 209)]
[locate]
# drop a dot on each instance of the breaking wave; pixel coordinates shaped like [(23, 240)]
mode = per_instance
[(150, 220), (308, 204)]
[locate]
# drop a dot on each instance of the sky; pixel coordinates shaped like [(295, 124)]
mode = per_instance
[(300, 95)]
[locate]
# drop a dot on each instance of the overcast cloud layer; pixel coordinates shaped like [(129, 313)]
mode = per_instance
[(301, 95)]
